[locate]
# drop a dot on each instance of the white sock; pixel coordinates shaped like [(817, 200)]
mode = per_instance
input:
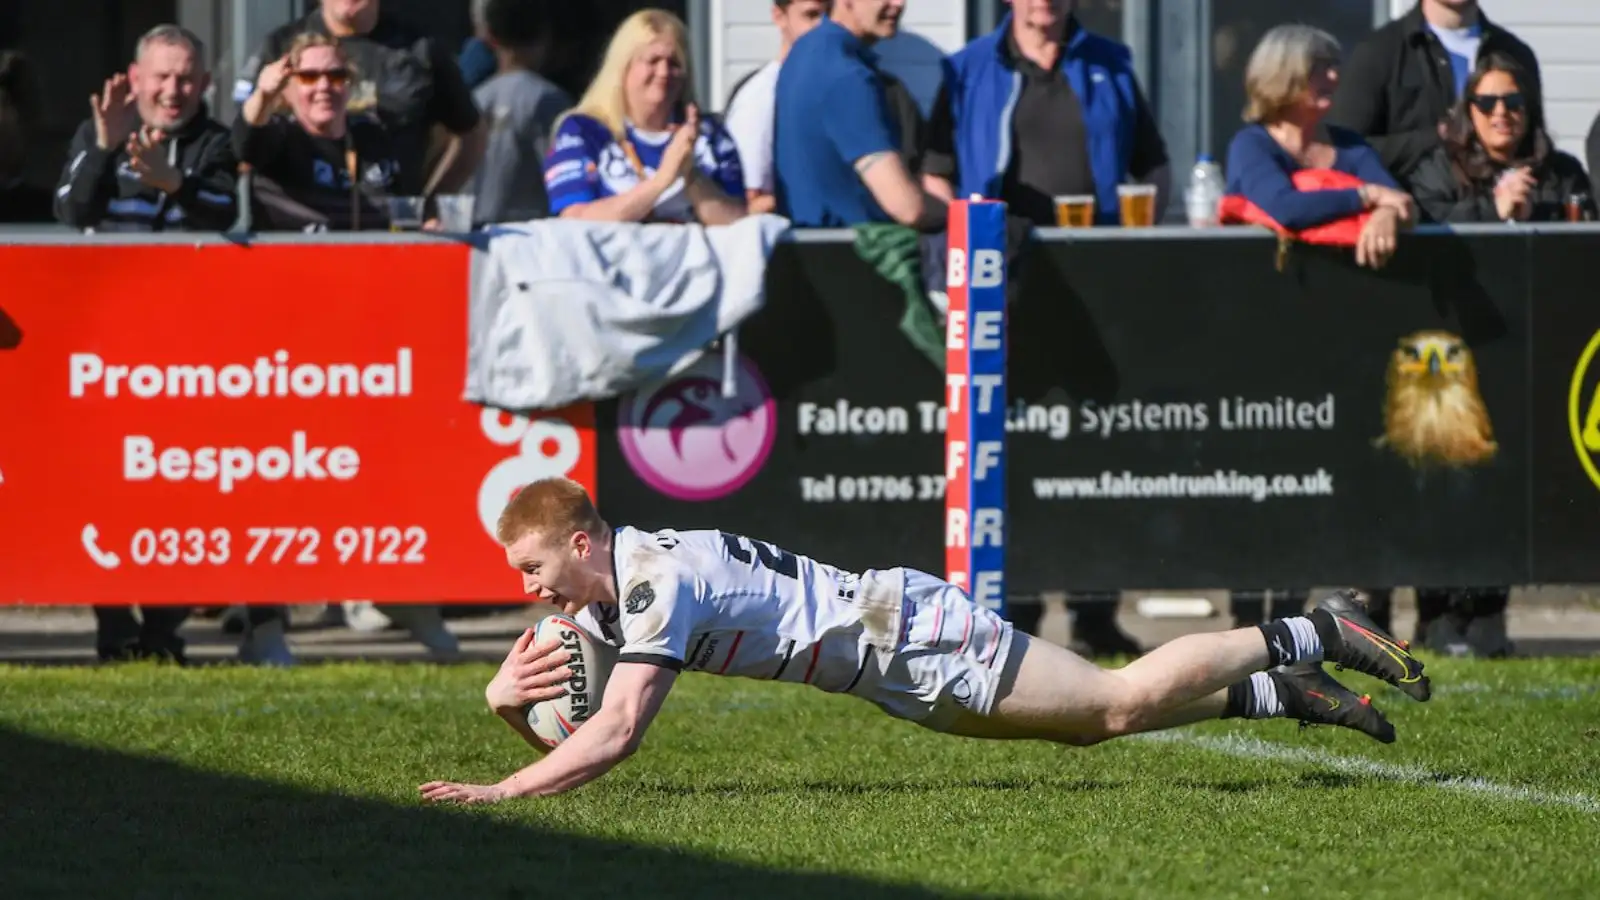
[(1264, 698), (1292, 640)]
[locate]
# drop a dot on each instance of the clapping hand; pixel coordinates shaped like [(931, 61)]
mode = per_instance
[(1511, 195), (273, 77), (677, 160), (147, 157), (114, 113)]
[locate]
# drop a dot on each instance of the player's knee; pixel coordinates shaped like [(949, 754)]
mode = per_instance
[(1129, 712)]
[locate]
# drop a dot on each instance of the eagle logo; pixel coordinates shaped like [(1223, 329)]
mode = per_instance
[(1434, 414)]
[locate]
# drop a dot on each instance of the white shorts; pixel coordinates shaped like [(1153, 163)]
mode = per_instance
[(938, 653)]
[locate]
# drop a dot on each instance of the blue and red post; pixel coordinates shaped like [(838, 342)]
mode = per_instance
[(975, 400)]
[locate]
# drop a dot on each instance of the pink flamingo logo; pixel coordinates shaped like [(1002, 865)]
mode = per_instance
[(688, 441)]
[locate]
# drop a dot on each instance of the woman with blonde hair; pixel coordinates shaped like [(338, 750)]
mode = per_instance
[(317, 165), (1289, 82), (635, 148)]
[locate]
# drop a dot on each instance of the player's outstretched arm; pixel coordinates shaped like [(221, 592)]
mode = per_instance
[(634, 694)]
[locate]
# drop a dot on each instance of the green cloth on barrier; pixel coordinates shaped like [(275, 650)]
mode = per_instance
[(895, 251)]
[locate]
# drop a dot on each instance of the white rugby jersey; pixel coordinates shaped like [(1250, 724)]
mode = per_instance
[(723, 603)]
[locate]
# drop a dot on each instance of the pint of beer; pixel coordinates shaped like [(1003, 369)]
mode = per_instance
[(1075, 211), (1138, 205)]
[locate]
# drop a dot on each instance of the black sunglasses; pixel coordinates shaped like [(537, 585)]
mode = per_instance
[(1486, 102)]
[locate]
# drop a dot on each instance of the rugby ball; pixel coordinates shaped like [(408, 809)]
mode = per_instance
[(553, 721)]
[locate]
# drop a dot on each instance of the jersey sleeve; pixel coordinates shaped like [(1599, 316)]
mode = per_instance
[(602, 622), (572, 169), (658, 609), (857, 120), (726, 169)]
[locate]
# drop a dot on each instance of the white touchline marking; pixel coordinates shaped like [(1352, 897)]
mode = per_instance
[(1255, 748), (1551, 692)]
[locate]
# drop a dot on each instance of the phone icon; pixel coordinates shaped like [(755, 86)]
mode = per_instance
[(105, 559)]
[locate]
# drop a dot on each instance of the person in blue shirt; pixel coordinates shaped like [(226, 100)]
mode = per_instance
[(1041, 108), (835, 152), (635, 148), (1289, 85)]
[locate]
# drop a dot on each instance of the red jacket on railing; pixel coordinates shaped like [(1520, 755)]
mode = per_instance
[(1236, 210)]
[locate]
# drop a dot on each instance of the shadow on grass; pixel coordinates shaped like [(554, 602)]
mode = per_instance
[(84, 822)]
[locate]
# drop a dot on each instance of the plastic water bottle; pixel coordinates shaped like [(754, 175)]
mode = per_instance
[(1204, 197)]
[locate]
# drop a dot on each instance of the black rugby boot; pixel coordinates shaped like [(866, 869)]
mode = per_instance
[(1312, 697), (1351, 640)]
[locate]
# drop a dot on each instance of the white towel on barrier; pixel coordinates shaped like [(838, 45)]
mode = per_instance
[(565, 311)]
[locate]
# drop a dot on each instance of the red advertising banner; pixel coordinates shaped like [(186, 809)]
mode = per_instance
[(218, 424)]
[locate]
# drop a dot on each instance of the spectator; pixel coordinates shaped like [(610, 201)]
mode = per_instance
[(635, 148), (751, 103), (19, 114), (1042, 108), (836, 153), (411, 81), (317, 167), (1289, 85), (1492, 166), (1401, 82), (521, 107), (150, 157)]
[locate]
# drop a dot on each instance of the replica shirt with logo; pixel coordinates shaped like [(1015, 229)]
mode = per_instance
[(587, 163), (722, 603)]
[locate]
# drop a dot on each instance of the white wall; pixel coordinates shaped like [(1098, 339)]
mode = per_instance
[(743, 39), (1565, 36)]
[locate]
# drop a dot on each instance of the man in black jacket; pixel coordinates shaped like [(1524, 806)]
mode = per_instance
[(1399, 84), (150, 158)]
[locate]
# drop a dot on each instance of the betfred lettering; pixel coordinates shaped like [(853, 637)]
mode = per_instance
[(988, 589), (985, 386), (988, 269)]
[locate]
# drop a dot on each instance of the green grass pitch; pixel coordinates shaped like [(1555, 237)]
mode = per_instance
[(232, 782)]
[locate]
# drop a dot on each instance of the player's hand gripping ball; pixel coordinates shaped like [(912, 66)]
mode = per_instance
[(553, 721)]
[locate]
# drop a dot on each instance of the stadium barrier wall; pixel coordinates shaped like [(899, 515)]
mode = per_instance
[(1184, 414)]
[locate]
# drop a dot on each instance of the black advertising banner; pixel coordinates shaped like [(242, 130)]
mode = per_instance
[(1183, 414), (1565, 407), (1233, 425)]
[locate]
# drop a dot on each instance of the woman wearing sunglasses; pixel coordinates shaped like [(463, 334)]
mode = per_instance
[(1492, 166), (318, 167)]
